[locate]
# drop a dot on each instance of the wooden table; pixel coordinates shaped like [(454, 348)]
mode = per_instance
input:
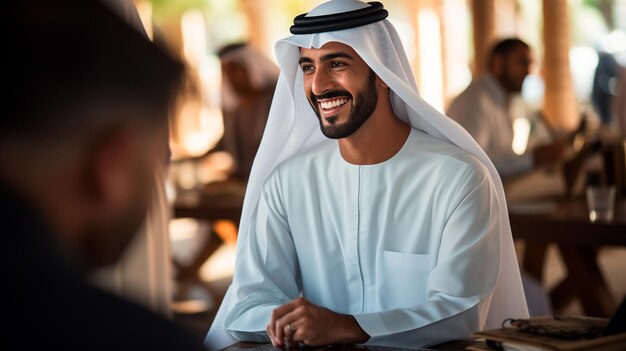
[(459, 345), (212, 202), (568, 226)]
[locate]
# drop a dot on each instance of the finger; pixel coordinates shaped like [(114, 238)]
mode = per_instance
[(277, 314), (286, 326), (270, 333), (279, 330), (286, 313), (287, 336), (289, 330), (297, 333), (293, 329)]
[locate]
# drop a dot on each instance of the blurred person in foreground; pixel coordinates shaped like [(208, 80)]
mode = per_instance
[(87, 108), (143, 273), (369, 216), (248, 83), (489, 106)]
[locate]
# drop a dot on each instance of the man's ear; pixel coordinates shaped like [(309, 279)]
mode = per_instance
[(107, 168)]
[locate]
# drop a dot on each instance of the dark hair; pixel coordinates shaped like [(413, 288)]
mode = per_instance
[(229, 48), (504, 47), (70, 58)]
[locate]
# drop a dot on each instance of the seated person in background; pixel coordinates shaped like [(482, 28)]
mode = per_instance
[(487, 109), (619, 104), (248, 83), (88, 104), (369, 216), (489, 106), (602, 91)]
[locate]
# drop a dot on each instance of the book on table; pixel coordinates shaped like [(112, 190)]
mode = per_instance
[(557, 333)]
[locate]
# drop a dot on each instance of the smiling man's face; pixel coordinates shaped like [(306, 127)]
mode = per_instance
[(340, 87)]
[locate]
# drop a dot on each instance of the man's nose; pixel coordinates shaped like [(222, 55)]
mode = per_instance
[(322, 82)]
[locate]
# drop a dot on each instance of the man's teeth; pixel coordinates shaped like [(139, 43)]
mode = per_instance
[(333, 103)]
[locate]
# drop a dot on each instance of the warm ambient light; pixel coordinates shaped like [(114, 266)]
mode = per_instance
[(200, 128), (194, 37), (199, 124), (144, 8), (521, 132), (431, 71)]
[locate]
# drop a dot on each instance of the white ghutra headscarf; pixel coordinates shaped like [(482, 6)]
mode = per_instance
[(293, 127)]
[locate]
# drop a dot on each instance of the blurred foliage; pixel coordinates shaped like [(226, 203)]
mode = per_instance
[(589, 25), (174, 8), (297, 7), (605, 7)]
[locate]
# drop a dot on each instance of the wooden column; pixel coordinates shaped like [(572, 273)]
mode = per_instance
[(413, 8), (439, 8), (560, 106), (256, 12), (484, 24), (428, 61)]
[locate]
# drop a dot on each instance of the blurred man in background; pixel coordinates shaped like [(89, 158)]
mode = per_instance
[(248, 82), (489, 106)]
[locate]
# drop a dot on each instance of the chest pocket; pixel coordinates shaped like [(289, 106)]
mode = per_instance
[(404, 279)]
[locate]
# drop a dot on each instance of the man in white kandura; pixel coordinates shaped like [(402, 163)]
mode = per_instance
[(379, 221), (489, 106)]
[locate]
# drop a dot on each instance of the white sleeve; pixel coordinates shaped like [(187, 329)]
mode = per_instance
[(266, 270), (460, 286)]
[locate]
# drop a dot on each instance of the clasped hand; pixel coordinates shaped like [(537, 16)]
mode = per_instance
[(301, 322)]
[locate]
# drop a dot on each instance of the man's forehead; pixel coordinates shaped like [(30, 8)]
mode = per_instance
[(333, 46)]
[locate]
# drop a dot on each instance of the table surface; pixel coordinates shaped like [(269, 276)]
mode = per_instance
[(457, 345), (567, 222), (211, 202)]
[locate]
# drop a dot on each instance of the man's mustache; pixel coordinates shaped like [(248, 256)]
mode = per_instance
[(331, 94)]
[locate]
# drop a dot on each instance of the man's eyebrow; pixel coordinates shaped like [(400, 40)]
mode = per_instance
[(335, 55), (304, 59), (326, 57)]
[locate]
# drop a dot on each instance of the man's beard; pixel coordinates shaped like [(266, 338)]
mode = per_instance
[(511, 83), (363, 105)]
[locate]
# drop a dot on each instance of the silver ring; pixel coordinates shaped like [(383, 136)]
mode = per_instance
[(289, 327)]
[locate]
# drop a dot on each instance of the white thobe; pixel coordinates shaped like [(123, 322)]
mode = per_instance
[(482, 109), (409, 246)]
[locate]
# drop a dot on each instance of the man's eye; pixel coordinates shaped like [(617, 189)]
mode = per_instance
[(307, 68), (337, 64)]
